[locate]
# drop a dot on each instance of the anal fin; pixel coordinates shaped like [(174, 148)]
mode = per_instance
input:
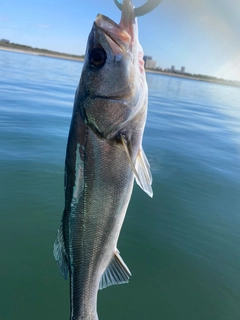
[(116, 273)]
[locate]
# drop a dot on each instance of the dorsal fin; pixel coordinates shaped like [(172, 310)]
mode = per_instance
[(116, 273)]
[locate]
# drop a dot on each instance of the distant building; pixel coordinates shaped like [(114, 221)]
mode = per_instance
[(183, 69), (5, 41), (174, 70), (149, 63)]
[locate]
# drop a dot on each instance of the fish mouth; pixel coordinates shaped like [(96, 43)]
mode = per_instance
[(118, 38), (121, 34)]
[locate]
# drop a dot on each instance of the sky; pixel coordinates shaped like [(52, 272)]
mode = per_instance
[(201, 35)]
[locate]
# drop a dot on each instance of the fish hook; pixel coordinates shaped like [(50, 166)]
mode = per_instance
[(142, 10)]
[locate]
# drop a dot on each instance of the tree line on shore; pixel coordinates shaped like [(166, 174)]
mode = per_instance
[(31, 49)]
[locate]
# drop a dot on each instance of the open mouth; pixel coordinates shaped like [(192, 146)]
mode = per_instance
[(117, 37)]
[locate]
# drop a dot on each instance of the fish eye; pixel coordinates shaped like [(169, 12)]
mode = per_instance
[(97, 57)]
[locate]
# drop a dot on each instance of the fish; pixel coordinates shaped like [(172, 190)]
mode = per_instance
[(104, 156)]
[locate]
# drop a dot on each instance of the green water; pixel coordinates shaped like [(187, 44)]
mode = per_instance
[(182, 246)]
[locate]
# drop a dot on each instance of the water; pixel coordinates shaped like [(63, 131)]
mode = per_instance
[(182, 246)]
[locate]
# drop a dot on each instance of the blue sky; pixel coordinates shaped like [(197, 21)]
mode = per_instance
[(202, 35)]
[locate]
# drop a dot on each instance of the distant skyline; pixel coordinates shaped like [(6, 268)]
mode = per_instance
[(202, 35)]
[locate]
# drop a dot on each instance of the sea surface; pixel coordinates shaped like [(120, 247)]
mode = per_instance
[(182, 246)]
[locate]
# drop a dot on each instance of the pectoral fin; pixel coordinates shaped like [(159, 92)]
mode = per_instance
[(144, 178), (141, 170), (116, 273), (59, 253)]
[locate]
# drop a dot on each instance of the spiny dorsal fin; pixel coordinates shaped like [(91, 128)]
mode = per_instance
[(59, 253), (142, 170), (116, 273)]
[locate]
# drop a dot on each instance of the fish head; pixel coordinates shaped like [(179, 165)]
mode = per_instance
[(113, 84)]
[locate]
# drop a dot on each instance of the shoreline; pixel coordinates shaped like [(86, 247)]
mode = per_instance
[(42, 53), (169, 74), (65, 56)]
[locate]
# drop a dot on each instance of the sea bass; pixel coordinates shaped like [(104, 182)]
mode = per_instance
[(104, 154)]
